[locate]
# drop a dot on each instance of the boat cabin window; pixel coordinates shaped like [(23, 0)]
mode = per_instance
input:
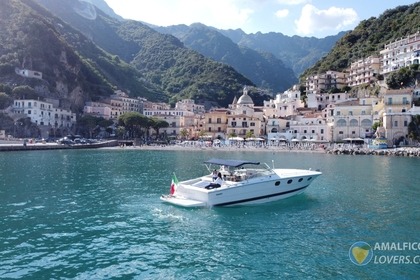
[(277, 183), (301, 179), (290, 181), (310, 178)]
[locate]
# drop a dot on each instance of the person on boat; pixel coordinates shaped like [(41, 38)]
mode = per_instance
[(217, 183), (214, 175)]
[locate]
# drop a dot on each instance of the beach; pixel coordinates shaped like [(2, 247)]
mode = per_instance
[(330, 148)]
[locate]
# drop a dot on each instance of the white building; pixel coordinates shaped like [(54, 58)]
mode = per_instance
[(189, 105), (363, 71), (320, 101), (44, 113), (401, 53), (28, 73), (325, 81), (284, 105), (98, 109)]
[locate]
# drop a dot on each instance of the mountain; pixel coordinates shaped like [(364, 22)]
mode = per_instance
[(161, 59), (74, 69), (103, 6), (298, 53), (264, 69), (369, 37)]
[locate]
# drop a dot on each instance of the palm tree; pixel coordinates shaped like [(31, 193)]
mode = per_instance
[(184, 133)]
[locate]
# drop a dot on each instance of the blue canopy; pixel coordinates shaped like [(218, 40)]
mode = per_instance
[(230, 162)]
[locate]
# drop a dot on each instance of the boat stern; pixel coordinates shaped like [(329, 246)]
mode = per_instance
[(181, 201)]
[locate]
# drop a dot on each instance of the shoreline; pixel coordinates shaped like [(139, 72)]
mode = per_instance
[(332, 149), (402, 151)]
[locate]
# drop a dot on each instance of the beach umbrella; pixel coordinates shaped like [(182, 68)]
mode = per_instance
[(237, 138)]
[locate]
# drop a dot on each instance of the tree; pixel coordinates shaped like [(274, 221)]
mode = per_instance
[(414, 128), (24, 92), (158, 124), (87, 124), (5, 100), (133, 122), (249, 134), (184, 133)]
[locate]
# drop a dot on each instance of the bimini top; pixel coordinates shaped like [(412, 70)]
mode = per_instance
[(230, 162)]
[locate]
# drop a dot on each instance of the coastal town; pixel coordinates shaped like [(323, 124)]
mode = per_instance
[(326, 115)]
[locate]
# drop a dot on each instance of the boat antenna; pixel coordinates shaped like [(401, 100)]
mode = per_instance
[(272, 161)]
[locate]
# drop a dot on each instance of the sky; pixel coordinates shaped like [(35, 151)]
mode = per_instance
[(318, 18)]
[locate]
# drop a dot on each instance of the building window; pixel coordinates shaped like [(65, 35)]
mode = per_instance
[(252, 124), (219, 120), (209, 129), (244, 124), (405, 123), (395, 123), (209, 120), (322, 131), (233, 124)]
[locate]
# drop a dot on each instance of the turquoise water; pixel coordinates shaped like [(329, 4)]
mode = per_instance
[(96, 214)]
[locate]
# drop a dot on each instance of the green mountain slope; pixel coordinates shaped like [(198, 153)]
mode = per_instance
[(264, 69), (297, 53), (369, 37), (74, 69), (162, 59)]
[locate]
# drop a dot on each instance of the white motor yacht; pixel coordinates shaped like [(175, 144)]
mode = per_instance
[(244, 182)]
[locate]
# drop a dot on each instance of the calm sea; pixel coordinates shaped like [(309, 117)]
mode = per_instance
[(96, 214)]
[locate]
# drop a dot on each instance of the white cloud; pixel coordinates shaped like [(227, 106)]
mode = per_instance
[(282, 13), (293, 2), (312, 19), (217, 13)]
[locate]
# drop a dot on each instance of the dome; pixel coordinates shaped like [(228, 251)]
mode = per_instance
[(245, 99)]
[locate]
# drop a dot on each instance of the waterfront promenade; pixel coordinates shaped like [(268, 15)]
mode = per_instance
[(21, 145)]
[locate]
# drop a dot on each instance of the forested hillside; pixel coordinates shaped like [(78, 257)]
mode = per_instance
[(73, 68), (263, 68), (369, 37), (161, 59), (298, 53)]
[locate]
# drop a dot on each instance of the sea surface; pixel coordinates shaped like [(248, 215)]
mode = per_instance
[(96, 214)]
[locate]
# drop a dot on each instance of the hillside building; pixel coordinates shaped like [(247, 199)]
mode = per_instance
[(44, 113), (364, 71), (324, 82), (284, 105), (401, 53)]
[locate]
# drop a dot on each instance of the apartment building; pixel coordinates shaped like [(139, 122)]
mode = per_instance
[(325, 81), (364, 71), (401, 53), (284, 105), (44, 113), (189, 105), (98, 109), (215, 122), (319, 101), (351, 119)]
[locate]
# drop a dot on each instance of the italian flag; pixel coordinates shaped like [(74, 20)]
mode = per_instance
[(174, 184)]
